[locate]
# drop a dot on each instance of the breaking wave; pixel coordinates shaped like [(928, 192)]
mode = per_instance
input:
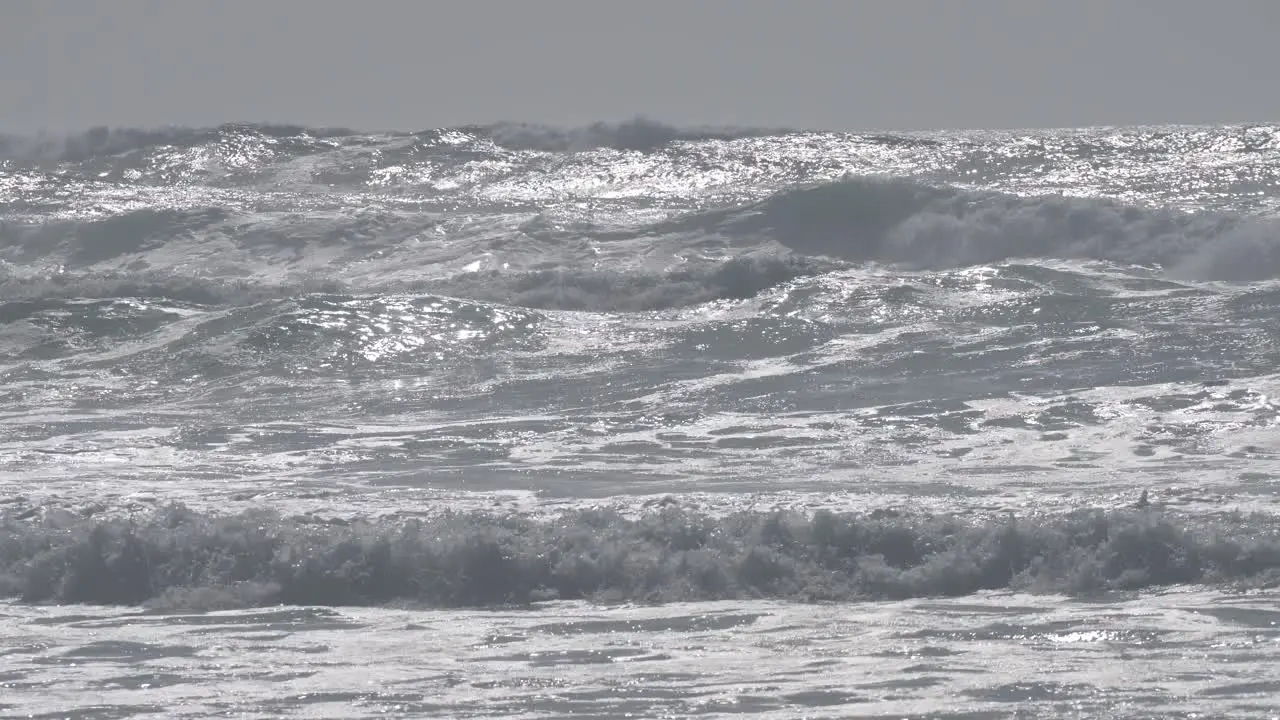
[(892, 222), (176, 557), (922, 226)]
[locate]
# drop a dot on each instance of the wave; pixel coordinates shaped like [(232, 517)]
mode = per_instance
[(176, 557), (104, 141), (561, 289), (157, 285), (639, 134), (599, 291), (860, 219), (920, 226)]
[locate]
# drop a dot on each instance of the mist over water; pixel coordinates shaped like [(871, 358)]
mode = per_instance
[(726, 392)]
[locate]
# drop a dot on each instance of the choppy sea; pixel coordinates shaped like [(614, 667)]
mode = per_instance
[(640, 421)]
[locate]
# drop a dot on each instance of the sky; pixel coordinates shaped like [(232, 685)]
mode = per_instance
[(68, 65)]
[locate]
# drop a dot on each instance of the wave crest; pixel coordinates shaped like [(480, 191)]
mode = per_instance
[(598, 291), (562, 289), (158, 285), (177, 557), (104, 141), (639, 134), (921, 226)]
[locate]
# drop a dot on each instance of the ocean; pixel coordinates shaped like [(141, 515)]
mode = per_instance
[(633, 420)]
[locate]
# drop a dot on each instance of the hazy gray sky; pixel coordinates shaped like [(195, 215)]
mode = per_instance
[(411, 64)]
